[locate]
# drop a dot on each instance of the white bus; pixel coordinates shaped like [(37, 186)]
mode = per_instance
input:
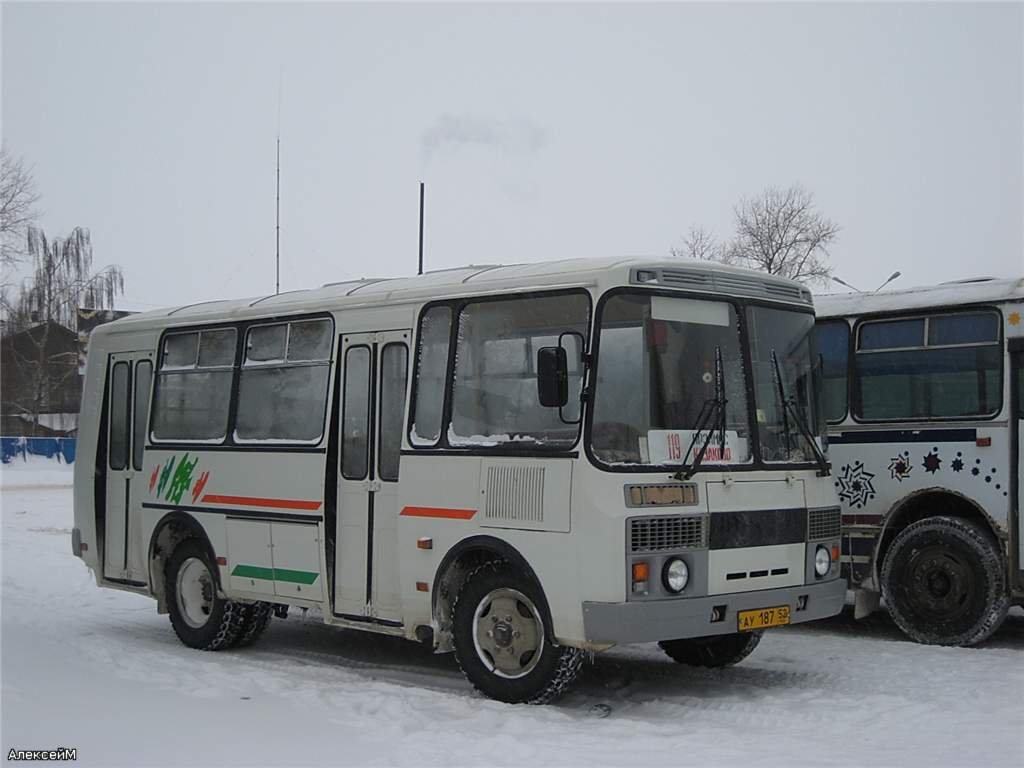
[(923, 395), (519, 464)]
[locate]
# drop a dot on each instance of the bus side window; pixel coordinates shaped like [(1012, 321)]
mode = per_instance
[(193, 386), (431, 367), (393, 366), (119, 416), (282, 387), (936, 367), (143, 377), (355, 419), (834, 346)]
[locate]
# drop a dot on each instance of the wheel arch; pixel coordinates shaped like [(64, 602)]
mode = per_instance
[(456, 565), (922, 504), (173, 528)]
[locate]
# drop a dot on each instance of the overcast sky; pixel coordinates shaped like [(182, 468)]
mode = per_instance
[(542, 132)]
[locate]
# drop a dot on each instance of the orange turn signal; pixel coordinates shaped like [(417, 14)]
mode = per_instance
[(835, 554), (640, 571), (421, 586)]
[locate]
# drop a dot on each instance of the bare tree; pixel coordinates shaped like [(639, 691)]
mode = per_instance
[(62, 281), (18, 198), (780, 232), (700, 245)]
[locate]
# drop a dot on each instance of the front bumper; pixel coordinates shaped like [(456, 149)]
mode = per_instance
[(650, 621)]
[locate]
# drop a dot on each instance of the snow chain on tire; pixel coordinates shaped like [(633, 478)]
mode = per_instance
[(570, 660), (257, 619)]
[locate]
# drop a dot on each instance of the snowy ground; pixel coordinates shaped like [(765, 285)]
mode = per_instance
[(100, 671)]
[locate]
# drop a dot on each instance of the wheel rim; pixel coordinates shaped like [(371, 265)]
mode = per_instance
[(942, 582), (194, 592), (508, 633)]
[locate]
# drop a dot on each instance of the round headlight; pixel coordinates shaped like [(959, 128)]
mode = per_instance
[(822, 561), (675, 575)]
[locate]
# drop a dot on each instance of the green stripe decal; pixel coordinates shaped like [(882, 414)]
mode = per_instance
[(295, 577), (274, 574)]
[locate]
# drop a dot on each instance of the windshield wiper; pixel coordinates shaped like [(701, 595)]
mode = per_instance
[(789, 409), (713, 408)]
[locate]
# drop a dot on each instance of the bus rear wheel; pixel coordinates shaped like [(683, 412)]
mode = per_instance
[(502, 643), (943, 582), (200, 618), (713, 651)]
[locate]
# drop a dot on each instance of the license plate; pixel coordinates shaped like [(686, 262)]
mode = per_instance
[(762, 618)]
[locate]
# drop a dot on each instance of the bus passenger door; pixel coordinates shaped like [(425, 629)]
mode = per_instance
[(130, 377), (374, 373)]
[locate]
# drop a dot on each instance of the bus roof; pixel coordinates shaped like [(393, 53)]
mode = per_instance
[(477, 279), (985, 290)]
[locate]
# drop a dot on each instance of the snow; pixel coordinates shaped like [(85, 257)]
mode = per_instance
[(100, 671), (942, 295), (486, 440)]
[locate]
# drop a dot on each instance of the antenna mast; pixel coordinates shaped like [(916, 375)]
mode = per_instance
[(421, 230), (277, 202), (277, 220)]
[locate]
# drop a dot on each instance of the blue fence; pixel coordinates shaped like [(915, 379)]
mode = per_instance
[(58, 448)]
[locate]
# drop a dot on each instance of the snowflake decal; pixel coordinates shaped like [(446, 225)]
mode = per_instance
[(932, 461), (900, 466), (956, 465), (854, 484)]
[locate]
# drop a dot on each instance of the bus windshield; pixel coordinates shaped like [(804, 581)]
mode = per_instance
[(658, 377), (784, 360)]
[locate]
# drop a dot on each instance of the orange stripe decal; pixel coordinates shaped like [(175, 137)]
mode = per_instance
[(450, 514), (250, 501)]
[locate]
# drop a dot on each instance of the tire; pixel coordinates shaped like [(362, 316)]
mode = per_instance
[(503, 640), (713, 651), (200, 619), (944, 582), (256, 619)]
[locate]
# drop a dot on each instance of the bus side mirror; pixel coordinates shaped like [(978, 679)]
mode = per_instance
[(552, 377)]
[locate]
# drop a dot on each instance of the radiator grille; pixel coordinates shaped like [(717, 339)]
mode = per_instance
[(515, 493), (656, 534), (823, 524)]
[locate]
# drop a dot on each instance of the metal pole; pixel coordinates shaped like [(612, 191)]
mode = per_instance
[(277, 221), (421, 230)]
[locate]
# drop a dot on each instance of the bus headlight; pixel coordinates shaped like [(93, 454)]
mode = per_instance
[(675, 575), (822, 561)]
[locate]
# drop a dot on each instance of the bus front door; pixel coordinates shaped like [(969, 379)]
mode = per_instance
[(129, 380), (374, 373)]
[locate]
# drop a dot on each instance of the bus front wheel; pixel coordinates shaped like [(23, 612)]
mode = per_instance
[(501, 639), (943, 582), (201, 619), (715, 651)]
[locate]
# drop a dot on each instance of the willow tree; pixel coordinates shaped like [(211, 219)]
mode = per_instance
[(62, 280)]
